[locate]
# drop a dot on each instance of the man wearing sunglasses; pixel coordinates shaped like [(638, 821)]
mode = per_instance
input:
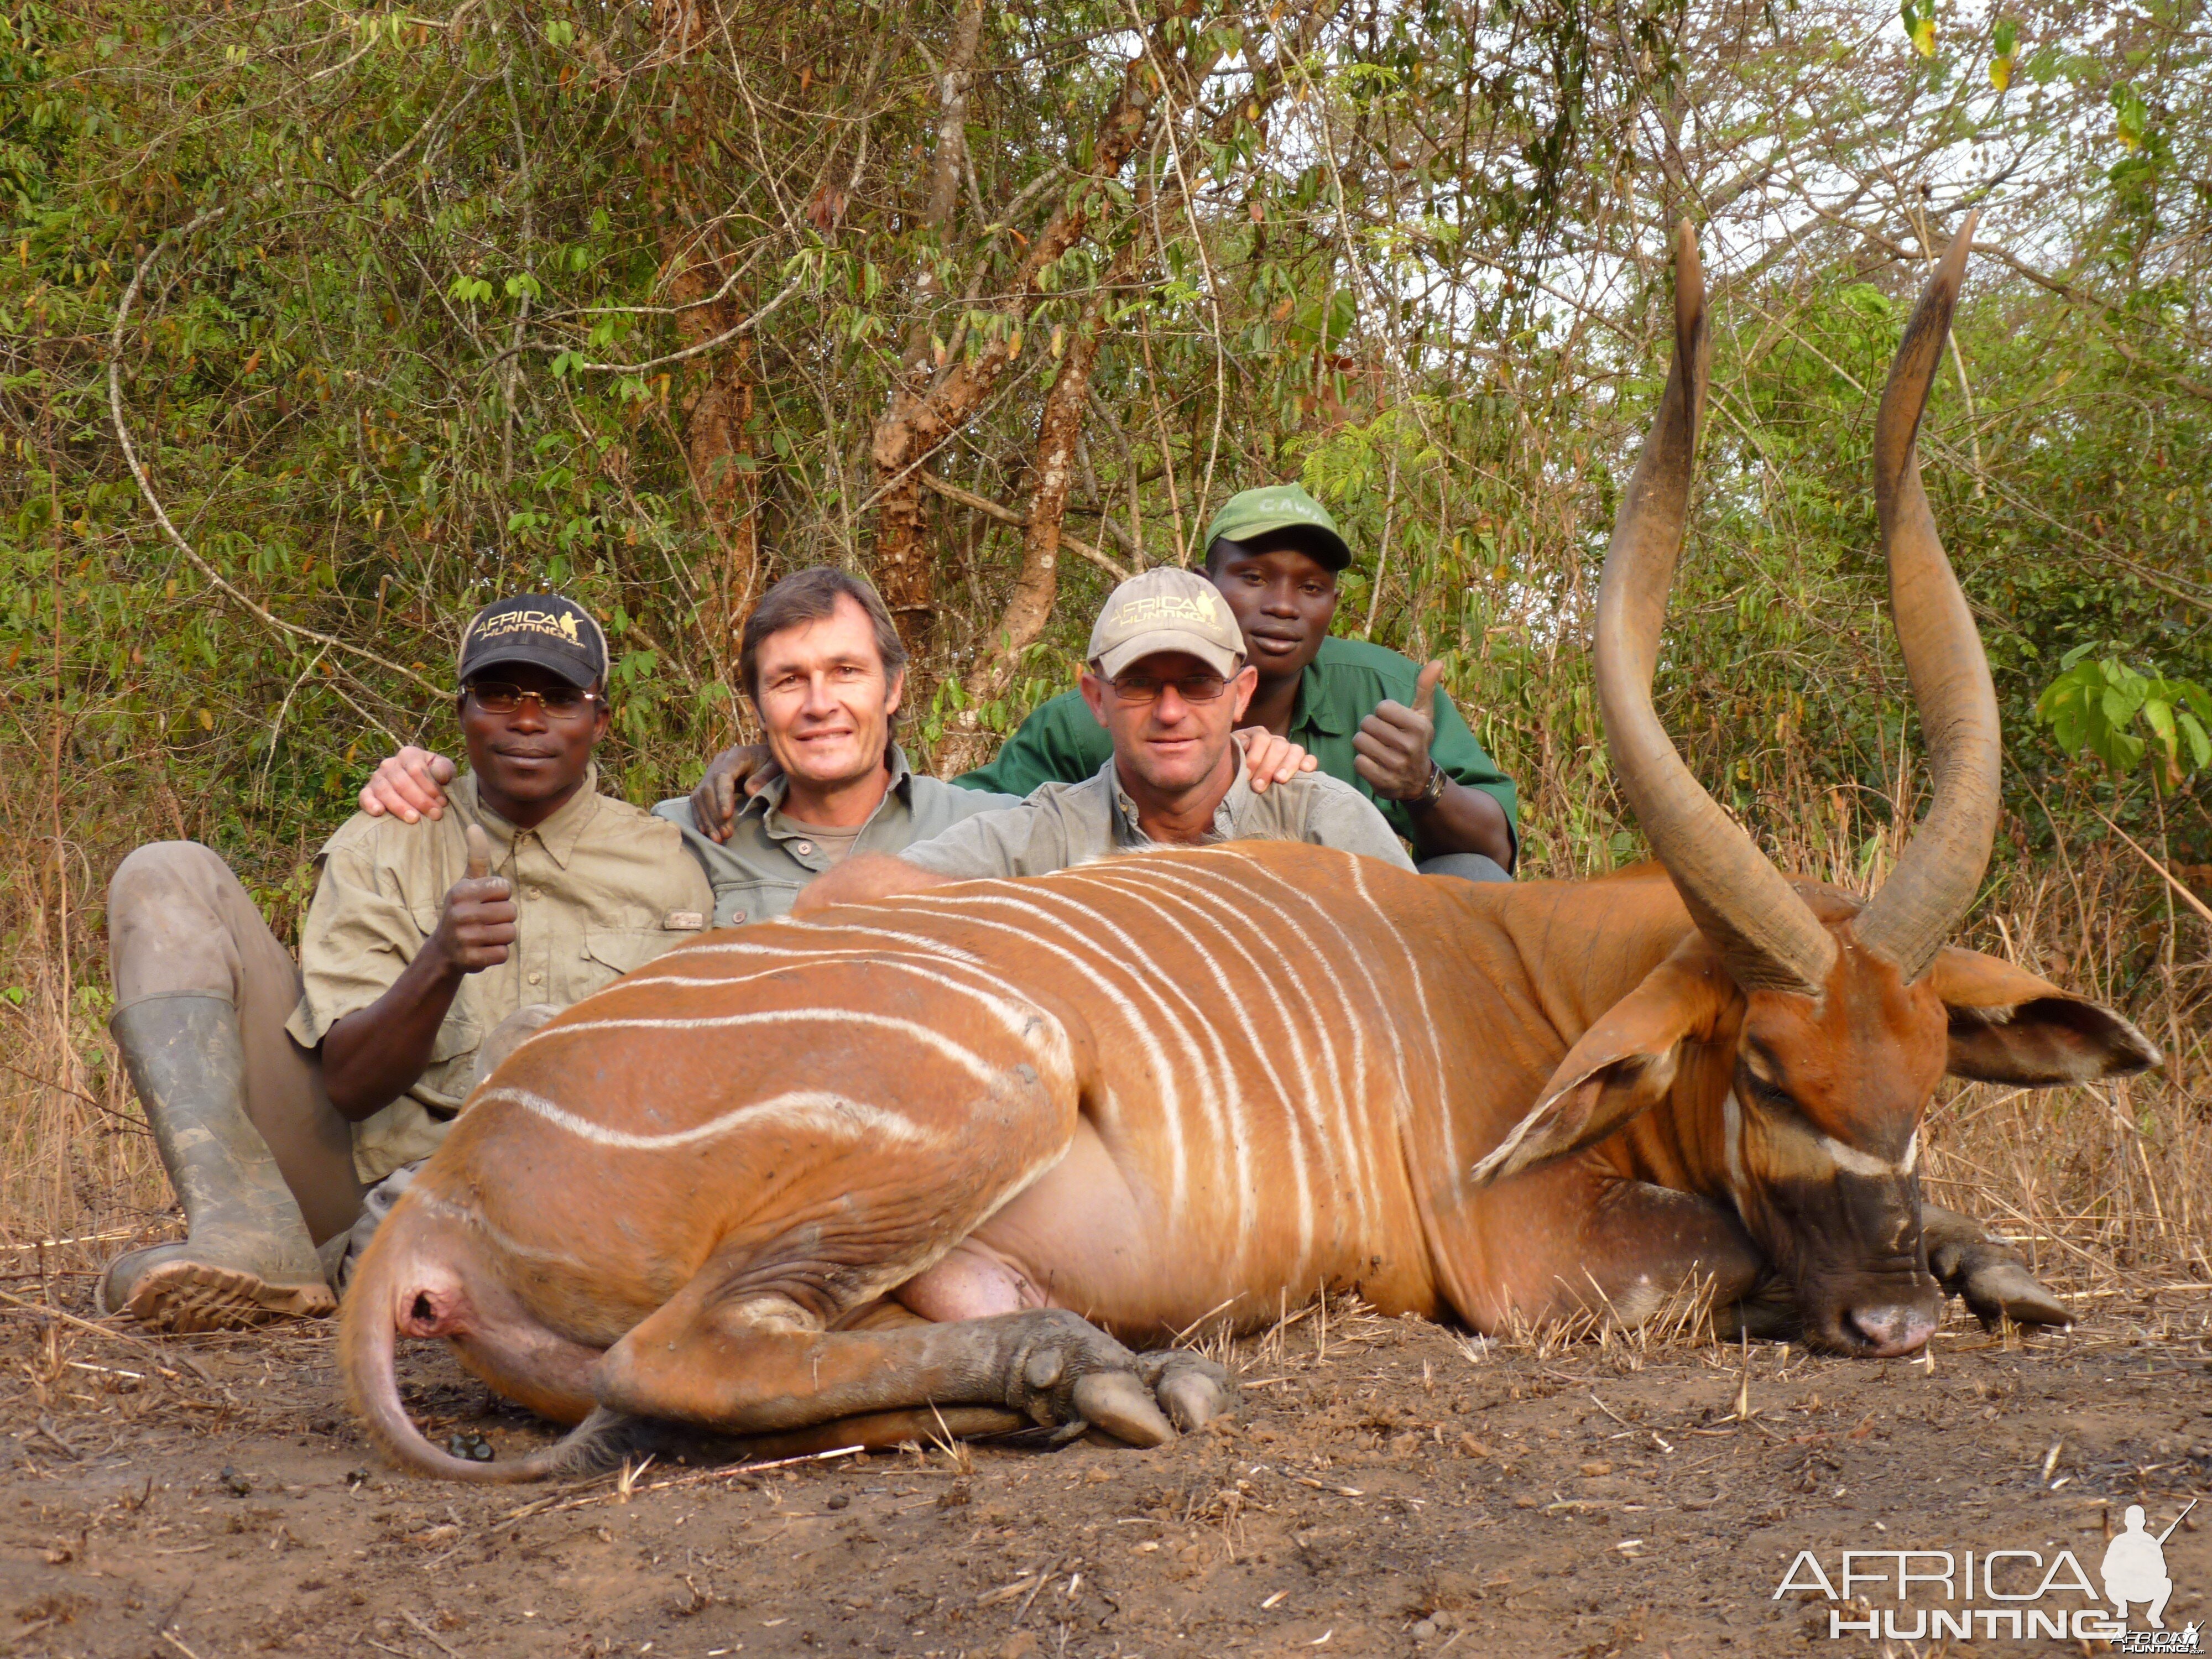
[(279, 1094), (1167, 683)]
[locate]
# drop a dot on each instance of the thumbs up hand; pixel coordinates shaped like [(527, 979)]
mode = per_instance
[(1392, 744), (479, 846), (478, 924)]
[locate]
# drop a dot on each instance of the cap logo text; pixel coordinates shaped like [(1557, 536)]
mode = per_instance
[(1168, 608), (559, 623)]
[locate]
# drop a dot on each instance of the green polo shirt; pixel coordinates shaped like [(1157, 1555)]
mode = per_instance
[(1062, 742)]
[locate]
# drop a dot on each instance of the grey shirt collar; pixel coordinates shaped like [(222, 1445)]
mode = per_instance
[(1228, 814), (767, 806)]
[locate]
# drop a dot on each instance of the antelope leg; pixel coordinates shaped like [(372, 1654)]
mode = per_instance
[(1996, 1284), (1191, 1388), (765, 1365), (1643, 1244)]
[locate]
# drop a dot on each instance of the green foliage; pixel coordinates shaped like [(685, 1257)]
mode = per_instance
[(2102, 707), (1919, 19), (461, 312)]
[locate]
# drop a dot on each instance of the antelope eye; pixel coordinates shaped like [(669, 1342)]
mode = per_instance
[(1770, 1095)]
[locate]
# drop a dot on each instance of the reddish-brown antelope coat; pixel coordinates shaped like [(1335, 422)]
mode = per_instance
[(950, 1151)]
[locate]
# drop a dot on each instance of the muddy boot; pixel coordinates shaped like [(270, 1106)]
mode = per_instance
[(248, 1257)]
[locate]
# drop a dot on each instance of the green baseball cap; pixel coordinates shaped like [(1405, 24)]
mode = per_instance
[(1251, 514)]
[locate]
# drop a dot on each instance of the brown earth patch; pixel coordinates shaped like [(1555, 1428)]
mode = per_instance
[(1389, 1489)]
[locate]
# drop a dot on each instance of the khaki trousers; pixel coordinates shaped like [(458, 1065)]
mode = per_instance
[(180, 924)]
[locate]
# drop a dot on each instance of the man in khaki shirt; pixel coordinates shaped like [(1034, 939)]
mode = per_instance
[(599, 888), (277, 1093)]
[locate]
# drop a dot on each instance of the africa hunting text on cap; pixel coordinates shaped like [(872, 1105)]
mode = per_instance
[(1251, 514), (548, 629), (1166, 609)]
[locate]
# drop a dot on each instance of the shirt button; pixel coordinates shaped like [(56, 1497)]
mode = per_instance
[(532, 892), (534, 978), (802, 847), (736, 916)]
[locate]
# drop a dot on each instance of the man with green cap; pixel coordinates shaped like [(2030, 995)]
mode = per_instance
[(1370, 717), (1168, 682)]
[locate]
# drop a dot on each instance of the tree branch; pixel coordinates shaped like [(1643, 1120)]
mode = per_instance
[(146, 485), (991, 509)]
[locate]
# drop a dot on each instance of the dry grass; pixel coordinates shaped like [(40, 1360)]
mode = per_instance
[(76, 1161), (2101, 1188)]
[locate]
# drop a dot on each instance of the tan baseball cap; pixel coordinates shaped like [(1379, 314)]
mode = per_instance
[(1166, 609)]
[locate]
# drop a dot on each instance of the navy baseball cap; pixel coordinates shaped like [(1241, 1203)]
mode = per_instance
[(547, 630)]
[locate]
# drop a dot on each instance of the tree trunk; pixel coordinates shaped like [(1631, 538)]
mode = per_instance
[(954, 81), (718, 449), (1029, 607), (926, 411)]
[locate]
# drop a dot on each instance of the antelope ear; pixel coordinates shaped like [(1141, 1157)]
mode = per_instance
[(1624, 1064), (2009, 1026)]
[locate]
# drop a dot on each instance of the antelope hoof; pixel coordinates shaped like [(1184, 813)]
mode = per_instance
[(1996, 1285), (1054, 1353), (1119, 1403), (1191, 1390)]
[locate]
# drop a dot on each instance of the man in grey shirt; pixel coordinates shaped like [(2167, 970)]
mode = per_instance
[(824, 665), (1168, 680)]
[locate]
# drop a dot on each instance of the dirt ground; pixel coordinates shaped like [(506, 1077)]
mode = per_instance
[(1388, 1487)]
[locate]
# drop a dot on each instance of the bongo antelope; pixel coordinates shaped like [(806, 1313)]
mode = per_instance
[(948, 1153)]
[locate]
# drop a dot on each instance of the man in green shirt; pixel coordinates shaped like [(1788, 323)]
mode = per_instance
[(1275, 554), (1368, 716)]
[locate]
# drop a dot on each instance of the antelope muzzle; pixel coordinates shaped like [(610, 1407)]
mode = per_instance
[(1850, 1245)]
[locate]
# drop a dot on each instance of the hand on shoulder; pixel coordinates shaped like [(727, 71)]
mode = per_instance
[(409, 786), (1269, 759)]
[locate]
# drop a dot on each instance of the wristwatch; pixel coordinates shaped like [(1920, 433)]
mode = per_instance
[(1433, 790)]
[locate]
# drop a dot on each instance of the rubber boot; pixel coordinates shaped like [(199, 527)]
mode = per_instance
[(248, 1257)]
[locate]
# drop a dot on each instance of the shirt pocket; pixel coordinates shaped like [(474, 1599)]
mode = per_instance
[(611, 952), (452, 1070), (457, 1034), (738, 903)]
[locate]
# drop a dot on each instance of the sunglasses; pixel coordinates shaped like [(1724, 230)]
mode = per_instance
[(498, 697), (1141, 689)]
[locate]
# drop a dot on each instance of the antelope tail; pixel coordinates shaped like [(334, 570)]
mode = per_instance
[(368, 1330)]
